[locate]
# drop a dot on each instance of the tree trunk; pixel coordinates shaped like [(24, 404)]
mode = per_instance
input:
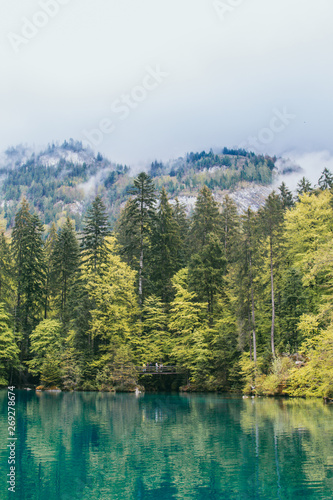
[(141, 261), (253, 315), (141, 251), (140, 275), (250, 334), (65, 291), (46, 296), (226, 234), (273, 303)]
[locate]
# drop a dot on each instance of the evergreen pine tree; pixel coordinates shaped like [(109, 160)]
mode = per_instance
[(50, 277), (206, 219), (36, 268), (242, 280), (272, 224), (165, 249), (286, 196), (30, 271), (206, 271), (326, 179), (20, 243), (128, 235), (230, 227), (95, 230), (140, 215), (304, 186), (65, 260), (179, 211), (292, 306)]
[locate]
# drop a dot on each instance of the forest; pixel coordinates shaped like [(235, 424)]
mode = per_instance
[(63, 179), (239, 302)]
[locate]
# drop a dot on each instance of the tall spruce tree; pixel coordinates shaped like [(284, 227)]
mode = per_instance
[(292, 306), (166, 248), (65, 260), (326, 179), (206, 219), (246, 256), (272, 225), (230, 227), (206, 271), (95, 230), (138, 221), (49, 273), (30, 271), (286, 196), (304, 186), (19, 242), (179, 210), (128, 235)]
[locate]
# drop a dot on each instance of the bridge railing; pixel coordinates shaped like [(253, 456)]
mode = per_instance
[(158, 369)]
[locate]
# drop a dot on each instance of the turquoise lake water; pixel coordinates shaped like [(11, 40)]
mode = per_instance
[(198, 447)]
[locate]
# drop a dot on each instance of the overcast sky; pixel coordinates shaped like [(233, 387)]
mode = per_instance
[(146, 79)]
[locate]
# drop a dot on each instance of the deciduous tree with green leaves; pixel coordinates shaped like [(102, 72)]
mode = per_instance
[(47, 345), (155, 345), (115, 311), (189, 328), (9, 350), (7, 287)]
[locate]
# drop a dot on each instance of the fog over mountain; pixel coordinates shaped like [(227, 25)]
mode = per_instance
[(312, 164), (145, 80), (61, 180)]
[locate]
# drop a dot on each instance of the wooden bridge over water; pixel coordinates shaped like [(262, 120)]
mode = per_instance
[(160, 370)]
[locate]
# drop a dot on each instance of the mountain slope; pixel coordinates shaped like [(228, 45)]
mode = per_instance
[(63, 179)]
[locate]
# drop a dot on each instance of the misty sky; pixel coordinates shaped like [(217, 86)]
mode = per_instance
[(146, 79)]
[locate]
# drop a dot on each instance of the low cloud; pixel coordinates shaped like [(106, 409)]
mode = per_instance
[(310, 166)]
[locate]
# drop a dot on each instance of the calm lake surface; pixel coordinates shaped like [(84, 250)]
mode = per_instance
[(105, 446)]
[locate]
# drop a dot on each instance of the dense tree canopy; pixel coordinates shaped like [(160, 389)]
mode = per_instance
[(235, 301)]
